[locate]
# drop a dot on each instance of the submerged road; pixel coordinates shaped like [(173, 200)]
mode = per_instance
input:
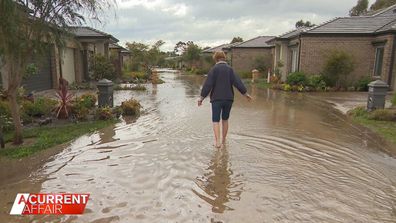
[(289, 158)]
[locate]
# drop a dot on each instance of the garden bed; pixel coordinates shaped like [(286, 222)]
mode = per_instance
[(48, 122)]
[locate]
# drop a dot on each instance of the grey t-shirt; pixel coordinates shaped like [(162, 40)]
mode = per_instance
[(220, 82)]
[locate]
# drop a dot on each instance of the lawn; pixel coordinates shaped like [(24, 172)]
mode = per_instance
[(387, 129), (381, 121), (46, 137)]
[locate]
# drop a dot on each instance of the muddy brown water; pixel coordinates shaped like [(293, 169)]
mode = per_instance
[(289, 158)]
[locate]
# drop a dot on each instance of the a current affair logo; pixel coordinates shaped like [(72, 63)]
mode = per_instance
[(49, 204)]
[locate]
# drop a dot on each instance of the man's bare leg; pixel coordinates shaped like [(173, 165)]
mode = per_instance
[(216, 130), (225, 130)]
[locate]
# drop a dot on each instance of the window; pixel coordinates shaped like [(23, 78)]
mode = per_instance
[(379, 57), (294, 60)]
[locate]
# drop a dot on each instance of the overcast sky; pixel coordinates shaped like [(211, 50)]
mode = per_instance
[(214, 22)]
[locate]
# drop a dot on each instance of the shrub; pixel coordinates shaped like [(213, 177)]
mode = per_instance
[(6, 123), (5, 116), (130, 107), (317, 82), (40, 107), (394, 100), (297, 78), (101, 67), (287, 87), (262, 63), (383, 115), (338, 66), (362, 83), (104, 113), (5, 108), (87, 100), (80, 112)]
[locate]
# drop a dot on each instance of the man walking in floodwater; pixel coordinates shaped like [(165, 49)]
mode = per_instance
[(219, 84)]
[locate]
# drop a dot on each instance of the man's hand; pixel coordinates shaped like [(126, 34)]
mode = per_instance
[(248, 97), (200, 100)]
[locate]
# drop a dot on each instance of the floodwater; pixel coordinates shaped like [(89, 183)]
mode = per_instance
[(289, 158)]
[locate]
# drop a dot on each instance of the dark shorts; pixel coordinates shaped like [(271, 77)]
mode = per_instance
[(222, 108)]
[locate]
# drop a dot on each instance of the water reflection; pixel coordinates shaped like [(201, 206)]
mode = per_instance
[(217, 183)]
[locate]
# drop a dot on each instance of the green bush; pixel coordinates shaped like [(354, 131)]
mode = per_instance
[(130, 107), (262, 63), (40, 107), (5, 116), (104, 113), (362, 83), (297, 78), (5, 108), (317, 82), (338, 66), (287, 87), (80, 112), (383, 115), (101, 67), (87, 100), (394, 100)]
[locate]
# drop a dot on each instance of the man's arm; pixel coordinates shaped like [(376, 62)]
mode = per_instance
[(238, 84), (208, 85)]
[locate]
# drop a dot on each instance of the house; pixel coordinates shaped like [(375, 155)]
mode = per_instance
[(286, 52), (208, 61), (91, 41), (119, 56), (369, 39), (252, 53)]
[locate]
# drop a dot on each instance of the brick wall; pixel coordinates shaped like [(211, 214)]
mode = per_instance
[(55, 68), (314, 52), (243, 59)]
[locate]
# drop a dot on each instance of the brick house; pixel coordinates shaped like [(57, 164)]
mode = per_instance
[(369, 39), (208, 53), (119, 57), (247, 55), (90, 42)]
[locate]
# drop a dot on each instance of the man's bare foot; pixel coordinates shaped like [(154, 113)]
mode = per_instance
[(217, 145), (224, 142)]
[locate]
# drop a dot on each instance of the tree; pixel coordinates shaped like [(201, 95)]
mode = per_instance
[(338, 66), (236, 40), (301, 23), (381, 4), (180, 47), (28, 27), (146, 56), (360, 8), (192, 52)]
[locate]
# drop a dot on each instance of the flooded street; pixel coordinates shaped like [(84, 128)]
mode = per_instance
[(289, 158)]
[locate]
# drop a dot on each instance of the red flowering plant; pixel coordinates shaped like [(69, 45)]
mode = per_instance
[(65, 99)]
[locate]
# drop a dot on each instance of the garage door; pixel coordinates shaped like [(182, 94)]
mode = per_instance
[(68, 71), (43, 79)]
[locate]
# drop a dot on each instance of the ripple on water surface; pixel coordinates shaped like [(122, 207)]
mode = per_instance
[(276, 166)]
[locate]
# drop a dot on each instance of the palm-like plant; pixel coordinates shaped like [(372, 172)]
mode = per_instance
[(65, 98)]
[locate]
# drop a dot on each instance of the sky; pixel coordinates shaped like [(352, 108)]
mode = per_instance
[(213, 22)]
